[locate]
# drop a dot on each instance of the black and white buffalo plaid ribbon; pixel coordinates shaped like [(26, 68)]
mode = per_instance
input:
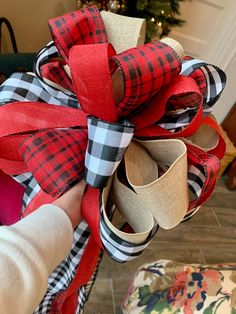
[(25, 87), (119, 249), (215, 80), (107, 143), (66, 97)]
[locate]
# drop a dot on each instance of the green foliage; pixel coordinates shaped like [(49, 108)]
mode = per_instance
[(161, 15), (155, 301), (208, 310), (144, 295), (159, 307)]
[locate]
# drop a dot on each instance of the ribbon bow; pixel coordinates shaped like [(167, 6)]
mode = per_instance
[(157, 102), (56, 128)]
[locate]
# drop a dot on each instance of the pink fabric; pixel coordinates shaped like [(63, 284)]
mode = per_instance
[(11, 194)]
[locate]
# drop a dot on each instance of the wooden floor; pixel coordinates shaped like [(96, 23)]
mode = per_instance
[(209, 237)]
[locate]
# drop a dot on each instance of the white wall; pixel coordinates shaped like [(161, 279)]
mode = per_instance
[(210, 34), (228, 98), (29, 19)]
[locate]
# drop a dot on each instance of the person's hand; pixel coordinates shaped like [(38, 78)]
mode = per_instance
[(71, 201)]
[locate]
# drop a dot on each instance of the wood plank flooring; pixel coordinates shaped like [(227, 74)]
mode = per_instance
[(209, 237)]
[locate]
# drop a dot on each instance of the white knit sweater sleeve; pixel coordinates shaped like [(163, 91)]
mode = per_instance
[(29, 251)]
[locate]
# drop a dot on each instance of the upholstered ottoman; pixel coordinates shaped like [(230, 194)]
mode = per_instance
[(165, 286)]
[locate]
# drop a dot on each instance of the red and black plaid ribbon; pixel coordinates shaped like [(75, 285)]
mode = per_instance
[(55, 72), (146, 70), (81, 27), (56, 158)]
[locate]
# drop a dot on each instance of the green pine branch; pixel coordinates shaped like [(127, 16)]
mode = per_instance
[(154, 12)]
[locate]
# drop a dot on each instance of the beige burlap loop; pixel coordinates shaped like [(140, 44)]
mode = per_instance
[(131, 207), (166, 195), (124, 32), (205, 138)]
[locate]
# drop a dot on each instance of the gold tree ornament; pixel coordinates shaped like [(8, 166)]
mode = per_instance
[(113, 6), (157, 31), (101, 5)]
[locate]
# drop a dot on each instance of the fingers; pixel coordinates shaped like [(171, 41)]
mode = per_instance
[(71, 201)]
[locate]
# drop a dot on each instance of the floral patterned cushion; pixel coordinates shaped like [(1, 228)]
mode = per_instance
[(165, 287)]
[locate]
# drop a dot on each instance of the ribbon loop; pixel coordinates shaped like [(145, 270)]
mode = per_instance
[(166, 110), (203, 171), (106, 147), (20, 119), (25, 87), (56, 158), (81, 27), (164, 194), (51, 74), (145, 70), (120, 245), (215, 80), (94, 88)]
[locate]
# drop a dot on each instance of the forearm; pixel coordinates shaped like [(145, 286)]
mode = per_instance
[(30, 250)]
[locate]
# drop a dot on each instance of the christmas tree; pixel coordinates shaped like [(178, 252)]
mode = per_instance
[(160, 15)]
